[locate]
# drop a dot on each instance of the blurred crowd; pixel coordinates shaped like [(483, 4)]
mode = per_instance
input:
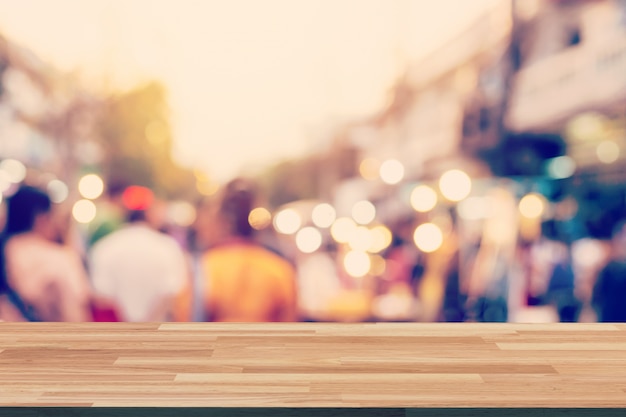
[(490, 187), (133, 267)]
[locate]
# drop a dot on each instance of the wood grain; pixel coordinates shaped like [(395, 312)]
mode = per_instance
[(313, 365)]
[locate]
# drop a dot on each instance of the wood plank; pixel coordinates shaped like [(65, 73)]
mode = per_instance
[(388, 365)]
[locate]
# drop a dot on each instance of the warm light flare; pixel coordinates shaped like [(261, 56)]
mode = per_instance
[(182, 213), (532, 206), (323, 215), (308, 239), (287, 221), (381, 239), (369, 169), (428, 237), (392, 171), (455, 185), (259, 218), (342, 229), (357, 264), (14, 169), (58, 191), (361, 239), (608, 152), (91, 186), (423, 198), (84, 211), (363, 212)]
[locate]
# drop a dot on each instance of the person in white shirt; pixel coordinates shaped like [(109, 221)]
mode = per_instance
[(140, 270)]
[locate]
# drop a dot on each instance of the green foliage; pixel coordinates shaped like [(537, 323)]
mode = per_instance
[(137, 139)]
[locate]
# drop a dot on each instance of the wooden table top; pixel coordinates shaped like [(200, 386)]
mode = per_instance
[(313, 365)]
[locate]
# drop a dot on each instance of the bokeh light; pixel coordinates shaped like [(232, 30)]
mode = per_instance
[(369, 169), (428, 237), (381, 239), (91, 186), (323, 215), (474, 208), (207, 188), (378, 265), (58, 191), (392, 171), (587, 253), (586, 126), (607, 152), (5, 181), (259, 218), (364, 212), (561, 167), (455, 185), (423, 198), (532, 205), (287, 221), (357, 264), (361, 239), (84, 211), (342, 229), (15, 170), (182, 213), (308, 239)]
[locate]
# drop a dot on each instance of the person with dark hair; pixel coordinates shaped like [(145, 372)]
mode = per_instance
[(244, 281), (41, 279), (609, 291), (110, 213), (137, 268)]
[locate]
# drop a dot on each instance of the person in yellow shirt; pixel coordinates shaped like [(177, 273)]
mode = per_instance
[(241, 280)]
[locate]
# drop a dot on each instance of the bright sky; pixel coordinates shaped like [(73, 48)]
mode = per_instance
[(249, 81)]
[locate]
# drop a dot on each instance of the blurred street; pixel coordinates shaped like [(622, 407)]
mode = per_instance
[(487, 183)]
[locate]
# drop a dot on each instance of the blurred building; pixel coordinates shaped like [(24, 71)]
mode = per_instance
[(531, 90), (444, 111), (570, 86), (25, 87), (533, 93)]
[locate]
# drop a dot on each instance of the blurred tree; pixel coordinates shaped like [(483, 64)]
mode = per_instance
[(290, 181), (311, 176), (137, 141)]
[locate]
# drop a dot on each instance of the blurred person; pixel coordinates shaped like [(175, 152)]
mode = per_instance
[(609, 291), (110, 214), (243, 280), (41, 279), (404, 262), (139, 269), (453, 299), (398, 286), (560, 292), (318, 283), (490, 274), (589, 256)]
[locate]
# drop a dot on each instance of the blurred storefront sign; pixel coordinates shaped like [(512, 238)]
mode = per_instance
[(578, 79)]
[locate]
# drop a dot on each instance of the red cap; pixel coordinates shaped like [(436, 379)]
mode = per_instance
[(137, 198)]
